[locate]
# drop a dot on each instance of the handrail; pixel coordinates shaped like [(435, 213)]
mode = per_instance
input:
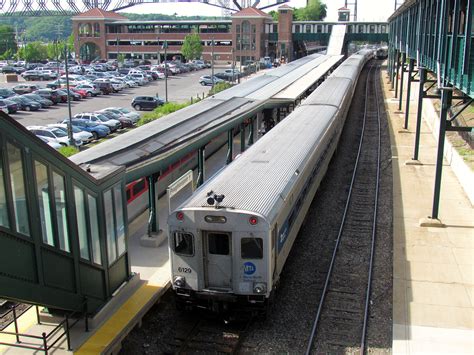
[(65, 325)]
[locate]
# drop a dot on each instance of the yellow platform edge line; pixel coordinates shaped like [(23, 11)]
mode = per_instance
[(25, 321), (118, 325)]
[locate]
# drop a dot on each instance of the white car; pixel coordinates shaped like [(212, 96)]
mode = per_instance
[(53, 134), (100, 119), (128, 83), (117, 84), (160, 74), (77, 134), (52, 144), (133, 116)]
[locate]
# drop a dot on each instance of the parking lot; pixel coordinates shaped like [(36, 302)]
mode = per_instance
[(180, 88)]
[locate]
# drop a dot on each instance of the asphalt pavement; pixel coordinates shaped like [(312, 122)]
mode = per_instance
[(180, 89)]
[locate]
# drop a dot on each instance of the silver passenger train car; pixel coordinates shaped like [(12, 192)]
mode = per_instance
[(230, 240)]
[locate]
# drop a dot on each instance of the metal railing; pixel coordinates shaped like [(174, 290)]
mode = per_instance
[(60, 330)]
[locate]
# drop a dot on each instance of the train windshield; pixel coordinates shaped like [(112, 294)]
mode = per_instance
[(251, 248)]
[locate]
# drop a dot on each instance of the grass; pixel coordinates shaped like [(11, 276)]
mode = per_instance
[(161, 111), (68, 151)]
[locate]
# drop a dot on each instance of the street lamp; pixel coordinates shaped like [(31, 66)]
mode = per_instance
[(69, 126), (165, 46), (158, 59), (212, 63)]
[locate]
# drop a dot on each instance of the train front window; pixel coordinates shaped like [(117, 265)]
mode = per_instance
[(251, 248), (218, 243), (183, 243)]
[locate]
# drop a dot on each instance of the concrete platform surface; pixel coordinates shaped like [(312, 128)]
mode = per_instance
[(433, 266)]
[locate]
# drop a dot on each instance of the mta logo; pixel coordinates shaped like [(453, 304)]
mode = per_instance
[(249, 268)]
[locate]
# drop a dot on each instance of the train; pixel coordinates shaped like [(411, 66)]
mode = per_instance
[(381, 53), (229, 241)]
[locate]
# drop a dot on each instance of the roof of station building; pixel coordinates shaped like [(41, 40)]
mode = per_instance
[(97, 13), (251, 12), (285, 7)]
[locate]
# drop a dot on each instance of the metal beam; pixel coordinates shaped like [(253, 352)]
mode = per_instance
[(407, 104), (421, 94), (230, 145), (404, 58)]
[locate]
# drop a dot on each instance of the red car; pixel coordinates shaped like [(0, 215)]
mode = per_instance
[(81, 92)]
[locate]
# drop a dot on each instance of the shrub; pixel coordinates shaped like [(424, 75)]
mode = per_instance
[(68, 151), (161, 111), (219, 87)]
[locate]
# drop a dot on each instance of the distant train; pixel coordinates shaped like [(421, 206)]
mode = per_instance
[(230, 240), (381, 53)]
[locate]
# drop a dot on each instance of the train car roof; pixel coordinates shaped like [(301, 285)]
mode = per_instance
[(331, 92), (266, 171)]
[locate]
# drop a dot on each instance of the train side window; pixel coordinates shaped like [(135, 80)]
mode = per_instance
[(183, 243), (139, 186), (218, 243), (251, 248)]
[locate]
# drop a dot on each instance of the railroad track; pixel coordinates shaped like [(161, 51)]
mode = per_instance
[(202, 335), (341, 321)]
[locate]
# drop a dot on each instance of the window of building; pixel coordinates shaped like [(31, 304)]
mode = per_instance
[(275, 28), (61, 213), (245, 35), (361, 28), (44, 202), (96, 30), (308, 28), (383, 29), (183, 243), (18, 189), (114, 223), (3, 199), (319, 28), (87, 225), (251, 248), (297, 28), (372, 29)]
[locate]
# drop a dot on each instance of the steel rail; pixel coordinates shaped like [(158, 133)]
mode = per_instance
[(374, 222), (342, 225)]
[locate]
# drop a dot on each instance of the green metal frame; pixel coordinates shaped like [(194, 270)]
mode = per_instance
[(35, 272)]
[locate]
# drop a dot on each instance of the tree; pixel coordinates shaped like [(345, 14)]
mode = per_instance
[(7, 40), (314, 11), (192, 47), (33, 51), (274, 14)]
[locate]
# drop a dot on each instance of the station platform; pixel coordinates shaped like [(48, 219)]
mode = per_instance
[(433, 267), (433, 284)]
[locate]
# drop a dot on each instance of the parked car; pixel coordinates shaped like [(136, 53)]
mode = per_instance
[(45, 103), (31, 75), (77, 133), (124, 121), (56, 84), (25, 104), (4, 108), (21, 89), (97, 130), (72, 94), (7, 69), (81, 92), (207, 80), (49, 94), (12, 106), (52, 144), (101, 119), (5, 93), (61, 93), (146, 102), (134, 116), (53, 134), (104, 86), (91, 89)]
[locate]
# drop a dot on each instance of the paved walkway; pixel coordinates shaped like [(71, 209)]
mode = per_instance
[(433, 266)]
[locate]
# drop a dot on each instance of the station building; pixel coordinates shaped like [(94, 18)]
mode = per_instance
[(248, 35)]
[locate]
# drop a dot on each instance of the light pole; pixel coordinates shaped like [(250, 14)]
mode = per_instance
[(158, 51), (233, 65), (165, 46), (69, 126), (118, 51), (212, 63)]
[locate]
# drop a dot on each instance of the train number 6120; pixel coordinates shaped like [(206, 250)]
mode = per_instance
[(186, 270)]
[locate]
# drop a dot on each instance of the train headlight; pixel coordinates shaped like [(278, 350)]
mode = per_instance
[(260, 287), (179, 281)]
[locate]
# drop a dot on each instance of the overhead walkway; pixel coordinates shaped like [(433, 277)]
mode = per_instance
[(336, 41)]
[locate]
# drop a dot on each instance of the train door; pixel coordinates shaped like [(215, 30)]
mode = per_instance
[(217, 259)]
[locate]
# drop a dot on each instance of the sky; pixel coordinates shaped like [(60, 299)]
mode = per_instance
[(367, 10)]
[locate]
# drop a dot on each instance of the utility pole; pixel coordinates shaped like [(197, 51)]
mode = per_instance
[(212, 63), (118, 51), (165, 46), (69, 126), (158, 59), (58, 34)]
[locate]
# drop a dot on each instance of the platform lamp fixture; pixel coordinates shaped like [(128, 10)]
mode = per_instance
[(165, 47)]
